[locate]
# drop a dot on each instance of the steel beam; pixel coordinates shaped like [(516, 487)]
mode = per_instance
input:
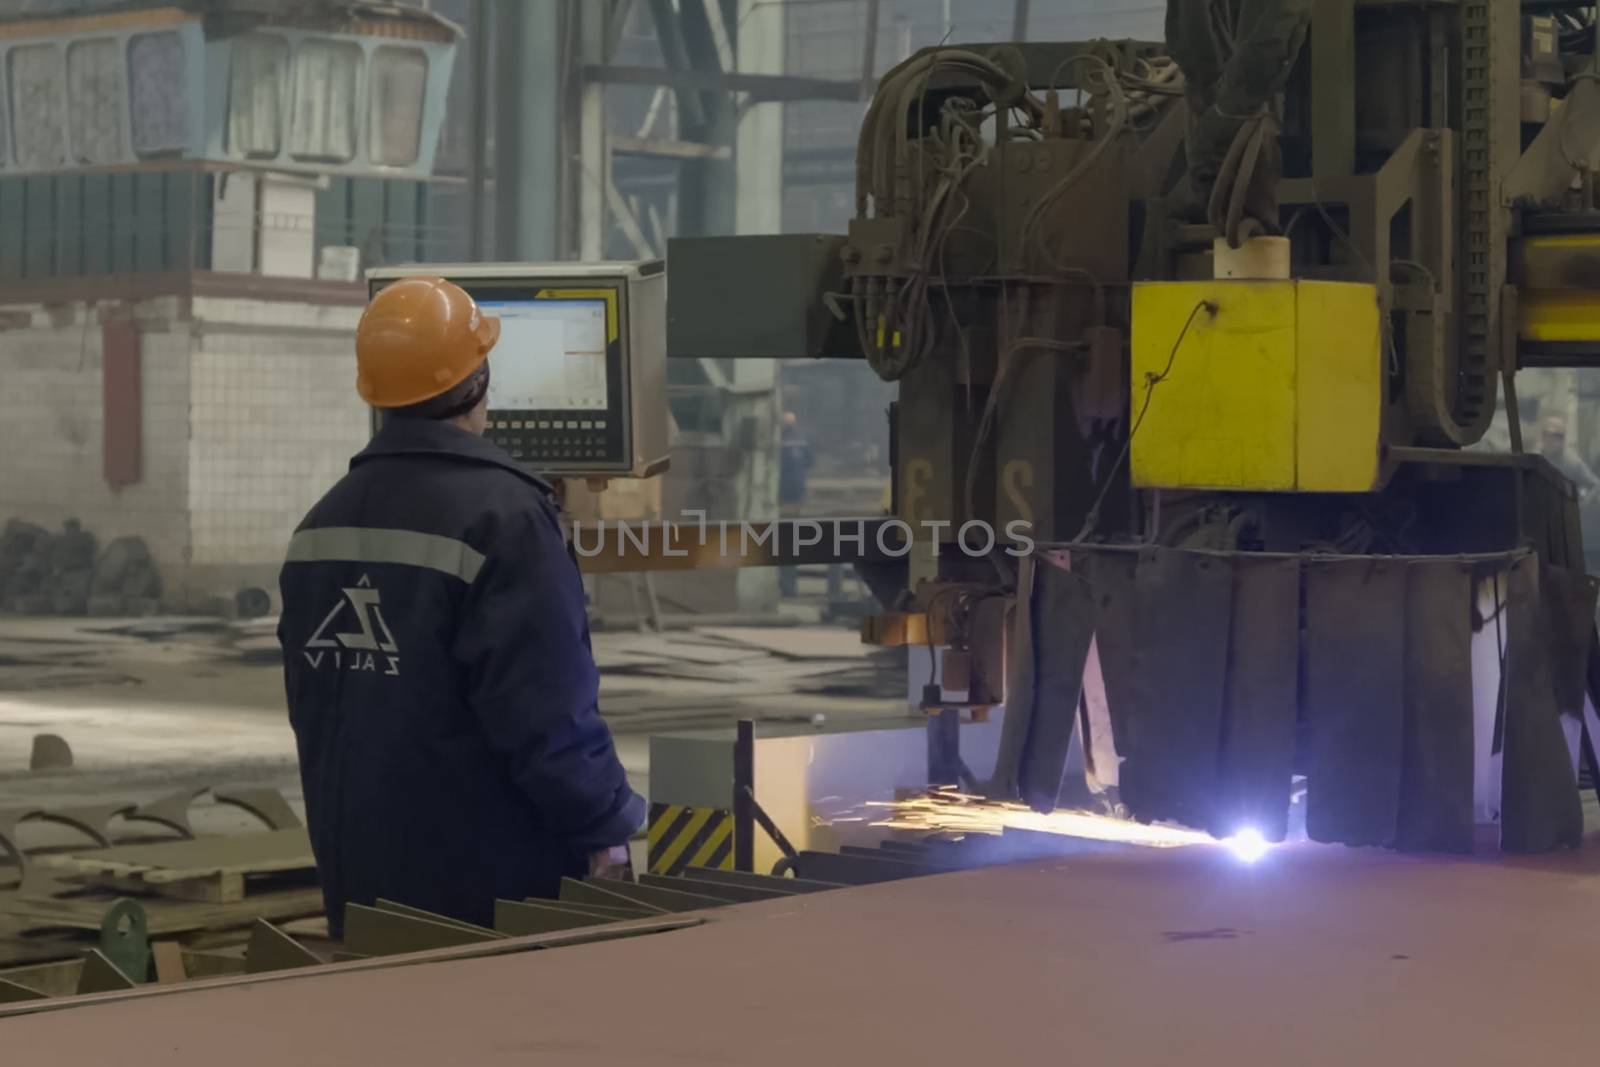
[(528, 154), (758, 178), (1333, 93), (479, 29), (597, 43), (744, 801), (785, 87), (666, 148)]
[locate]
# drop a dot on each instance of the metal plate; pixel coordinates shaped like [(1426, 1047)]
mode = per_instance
[(1258, 728), (855, 870), (373, 932), (1540, 808), (1061, 647), (518, 919), (1354, 699), (1020, 669), (1183, 604), (759, 881), (1436, 774), (668, 900), (1570, 603), (1111, 579)]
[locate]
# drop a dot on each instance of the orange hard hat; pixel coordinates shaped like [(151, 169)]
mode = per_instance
[(418, 339)]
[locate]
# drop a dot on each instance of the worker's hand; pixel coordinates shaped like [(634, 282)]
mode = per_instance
[(611, 862)]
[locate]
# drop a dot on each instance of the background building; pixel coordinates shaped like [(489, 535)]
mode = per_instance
[(190, 190)]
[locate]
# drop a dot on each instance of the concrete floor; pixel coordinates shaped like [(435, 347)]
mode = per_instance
[(152, 707)]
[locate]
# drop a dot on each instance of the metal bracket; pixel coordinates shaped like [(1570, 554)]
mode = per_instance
[(125, 940), (747, 811)]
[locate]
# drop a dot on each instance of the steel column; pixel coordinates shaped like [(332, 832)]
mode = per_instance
[(528, 63), (744, 786), (478, 119)]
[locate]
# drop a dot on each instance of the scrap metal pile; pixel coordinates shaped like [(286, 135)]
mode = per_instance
[(44, 573), (140, 871)]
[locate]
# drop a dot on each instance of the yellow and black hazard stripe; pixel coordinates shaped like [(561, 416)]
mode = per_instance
[(681, 836)]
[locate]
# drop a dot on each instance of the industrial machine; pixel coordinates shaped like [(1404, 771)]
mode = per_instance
[(1224, 530), (580, 370)]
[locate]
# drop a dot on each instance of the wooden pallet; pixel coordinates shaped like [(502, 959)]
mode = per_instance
[(212, 870), (27, 919)]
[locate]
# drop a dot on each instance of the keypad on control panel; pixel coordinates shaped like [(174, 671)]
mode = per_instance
[(551, 441)]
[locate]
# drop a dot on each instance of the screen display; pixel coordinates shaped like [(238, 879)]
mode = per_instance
[(551, 355)]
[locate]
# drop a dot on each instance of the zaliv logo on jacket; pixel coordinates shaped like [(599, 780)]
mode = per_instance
[(364, 644)]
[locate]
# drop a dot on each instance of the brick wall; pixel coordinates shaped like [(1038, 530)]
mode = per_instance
[(248, 414), (275, 421), (52, 423)]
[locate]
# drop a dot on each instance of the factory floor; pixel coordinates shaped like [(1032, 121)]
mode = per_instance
[(155, 706)]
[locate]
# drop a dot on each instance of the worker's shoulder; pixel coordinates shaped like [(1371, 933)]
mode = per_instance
[(434, 494), (493, 507)]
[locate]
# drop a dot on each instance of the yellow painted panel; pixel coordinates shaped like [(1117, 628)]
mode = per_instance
[(613, 330), (1341, 387), (1561, 316), (1224, 416)]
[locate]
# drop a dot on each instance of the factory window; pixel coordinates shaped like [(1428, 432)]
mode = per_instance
[(156, 87), (38, 106), (399, 86), (255, 95), (96, 100), (323, 128)]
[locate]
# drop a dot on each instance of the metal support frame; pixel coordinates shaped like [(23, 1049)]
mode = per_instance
[(747, 811), (723, 64), (744, 798)]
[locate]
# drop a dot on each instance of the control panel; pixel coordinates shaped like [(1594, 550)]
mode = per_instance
[(577, 384)]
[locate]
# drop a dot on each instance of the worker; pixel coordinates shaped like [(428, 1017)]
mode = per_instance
[(440, 682), (1236, 57), (1554, 447)]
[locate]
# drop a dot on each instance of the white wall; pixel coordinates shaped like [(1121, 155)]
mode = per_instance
[(275, 422), (249, 416), (51, 433)]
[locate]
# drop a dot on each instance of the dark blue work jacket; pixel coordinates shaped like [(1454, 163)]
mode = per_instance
[(440, 681)]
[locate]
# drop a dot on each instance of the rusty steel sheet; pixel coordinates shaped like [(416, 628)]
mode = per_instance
[(1315, 956), (1256, 763), (1436, 770), (1020, 668), (1065, 615), (1540, 807), (1569, 600), (1183, 603), (1111, 580), (1354, 698)]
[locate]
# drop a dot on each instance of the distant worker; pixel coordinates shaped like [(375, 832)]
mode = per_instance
[(1553, 445), (794, 470), (1236, 57), (436, 651)]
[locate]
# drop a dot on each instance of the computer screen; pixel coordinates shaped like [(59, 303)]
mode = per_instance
[(551, 355), (577, 383)]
